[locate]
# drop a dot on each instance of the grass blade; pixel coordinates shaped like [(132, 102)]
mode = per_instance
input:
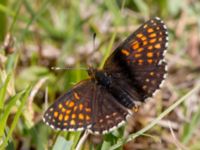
[(6, 113), (3, 23), (18, 114), (190, 127), (107, 52), (3, 91)]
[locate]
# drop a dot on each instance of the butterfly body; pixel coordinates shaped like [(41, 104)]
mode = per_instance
[(133, 73), (106, 81)]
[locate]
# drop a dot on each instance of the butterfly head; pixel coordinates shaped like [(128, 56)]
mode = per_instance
[(100, 76), (91, 71)]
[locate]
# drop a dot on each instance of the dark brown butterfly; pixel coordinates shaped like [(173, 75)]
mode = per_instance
[(133, 72)]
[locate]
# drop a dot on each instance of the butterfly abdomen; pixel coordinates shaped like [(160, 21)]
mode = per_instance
[(122, 96)]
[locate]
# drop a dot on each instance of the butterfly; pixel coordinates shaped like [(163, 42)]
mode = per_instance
[(131, 74)]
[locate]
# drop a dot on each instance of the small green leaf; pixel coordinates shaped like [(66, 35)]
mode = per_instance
[(3, 91), (61, 143)]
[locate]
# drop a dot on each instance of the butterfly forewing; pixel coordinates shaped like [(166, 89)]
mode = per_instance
[(140, 58)]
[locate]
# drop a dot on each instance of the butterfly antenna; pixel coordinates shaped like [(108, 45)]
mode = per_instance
[(80, 68), (68, 68), (89, 68)]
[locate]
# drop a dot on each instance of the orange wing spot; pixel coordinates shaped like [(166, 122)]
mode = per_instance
[(76, 96), (152, 35), (81, 116), (80, 106), (88, 109), (137, 55), (60, 117), (135, 42), (160, 39), (73, 116), (149, 54), (68, 111), (67, 103), (125, 52), (150, 61), (140, 61), (87, 117), (66, 117), (55, 114), (150, 30), (145, 42), (157, 46), (145, 26), (150, 47), (60, 106), (71, 104), (153, 40), (157, 28), (152, 73), (140, 50), (75, 108), (72, 122), (65, 124), (143, 38), (135, 109), (63, 110), (139, 35), (135, 46)]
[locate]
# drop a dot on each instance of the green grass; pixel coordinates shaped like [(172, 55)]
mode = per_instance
[(50, 33)]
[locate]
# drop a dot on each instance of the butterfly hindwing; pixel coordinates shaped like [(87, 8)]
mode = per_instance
[(140, 58), (108, 114)]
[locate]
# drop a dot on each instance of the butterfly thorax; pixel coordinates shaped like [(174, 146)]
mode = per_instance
[(101, 77)]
